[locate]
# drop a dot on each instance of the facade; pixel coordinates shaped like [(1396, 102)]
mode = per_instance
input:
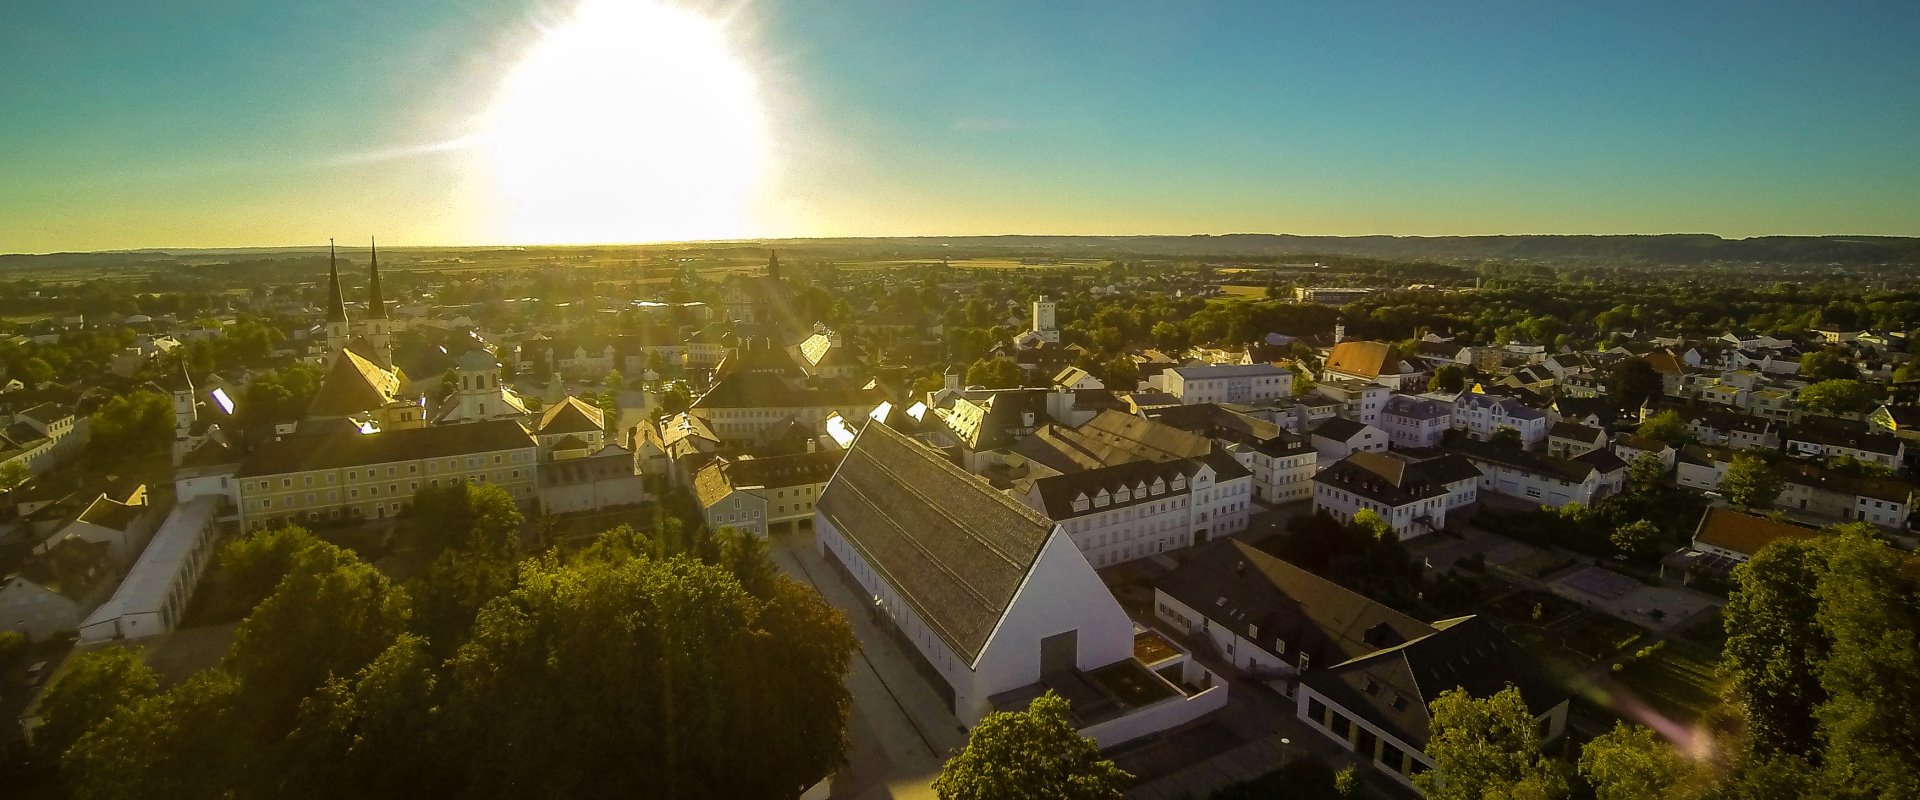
[(1408, 496), (574, 481), (1411, 421), (52, 592), (1481, 415), (1229, 383), (1282, 462), (1335, 438), (1547, 480), (1822, 442), (1569, 439), (992, 598), (1142, 508), (346, 474), (1044, 323), (1359, 400), (759, 495), (155, 593)]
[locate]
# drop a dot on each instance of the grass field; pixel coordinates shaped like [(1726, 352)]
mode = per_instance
[(1681, 682), (1231, 293)]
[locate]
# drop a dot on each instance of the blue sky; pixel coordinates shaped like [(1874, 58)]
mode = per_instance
[(229, 123)]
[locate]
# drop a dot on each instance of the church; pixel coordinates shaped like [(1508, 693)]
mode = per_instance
[(361, 383)]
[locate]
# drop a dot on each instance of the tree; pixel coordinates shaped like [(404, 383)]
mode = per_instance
[(177, 745), (1750, 483), (1122, 374), (1775, 648), (676, 399), (95, 686), (1451, 378), (1826, 365), (255, 563), (641, 676), (1031, 753), (14, 474), (1870, 613), (131, 425), (1169, 337), (471, 535), (998, 373), (1506, 436), (1632, 383), (1839, 397), (1632, 763), (1667, 427), (1647, 472), (1634, 537), (1485, 749)]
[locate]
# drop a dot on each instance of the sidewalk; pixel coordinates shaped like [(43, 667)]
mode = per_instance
[(898, 717)]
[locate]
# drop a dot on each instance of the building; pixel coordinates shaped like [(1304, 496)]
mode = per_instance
[(52, 592), (1328, 295), (1568, 439), (760, 494), (1811, 491), (1411, 421), (745, 407), (1630, 447), (343, 473), (994, 601), (1410, 496), (1725, 537), (1271, 619), (1282, 462), (479, 392), (1044, 324), (1827, 441), (1229, 383), (155, 593), (1142, 508), (1372, 362), (1335, 438), (1483, 415), (590, 480), (1378, 705), (1544, 479), (1360, 400)]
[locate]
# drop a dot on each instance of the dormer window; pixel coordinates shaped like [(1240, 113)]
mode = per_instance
[(1159, 486), (1080, 502), (1179, 482), (1123, 495)]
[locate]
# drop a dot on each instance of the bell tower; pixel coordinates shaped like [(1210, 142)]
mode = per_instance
[(337, 327), (378, 328)]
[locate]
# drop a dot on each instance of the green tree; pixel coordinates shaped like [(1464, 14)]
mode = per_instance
[(1632, 763), (1869, 611), (1632, 383), (95, 686), (1031, 753), (1451, 378), (649, 677), (1506, 436), (1827, 365), (254, 564), (1634, 537), (675, 399), (998, 373), (177, 745), (1667, 426), (471, 535), (374, 733), (1840, 397), (1750, 483), (1775, 647), (13, 474), (1647, 472), (131, 425), (1122, 374), (1485, 749)]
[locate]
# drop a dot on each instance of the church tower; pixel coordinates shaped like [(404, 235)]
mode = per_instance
[(337, 328), (378, 329)]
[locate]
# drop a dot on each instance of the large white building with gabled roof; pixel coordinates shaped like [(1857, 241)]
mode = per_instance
[(993, 599)]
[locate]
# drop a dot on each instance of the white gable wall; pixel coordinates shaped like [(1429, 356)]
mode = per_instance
[(1061, 593)]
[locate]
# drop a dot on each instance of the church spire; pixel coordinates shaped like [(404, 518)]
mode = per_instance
[(376, 307), (336, 306)]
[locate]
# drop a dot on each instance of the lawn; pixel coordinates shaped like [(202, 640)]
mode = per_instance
[(1232, 292), (1679, 680)]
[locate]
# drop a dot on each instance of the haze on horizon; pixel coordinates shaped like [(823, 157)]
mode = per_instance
[(191, 124)]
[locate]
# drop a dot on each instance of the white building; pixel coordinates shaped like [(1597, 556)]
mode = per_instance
[(154, 595), (1282, 462), (759, 494), (1547, 480), (1143, 508), (1412, 421), (992, 599), (1412, 498), (1044, 323), (1229, 383), (1481, 415), (1335, 438), (1361, 400)]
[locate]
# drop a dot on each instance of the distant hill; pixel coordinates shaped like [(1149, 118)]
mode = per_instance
[(1673, 249)]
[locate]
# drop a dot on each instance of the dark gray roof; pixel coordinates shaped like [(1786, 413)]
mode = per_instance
[(1059, 491), (1392, 688), (952, 546), (1835, 436), (1339, 429), (1267, 600), (1380, 478), (343, 446)]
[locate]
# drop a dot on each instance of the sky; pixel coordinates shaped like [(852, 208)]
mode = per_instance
[(167, 123)]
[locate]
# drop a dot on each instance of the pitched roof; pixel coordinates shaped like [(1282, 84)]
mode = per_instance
[(353, 384), (1368, 359), (1740, 532), (570, 415), (1339, 429), (1392, 688), (1575, 431), (111, 514), (1263, 598), (1059, 492), (955, 549), (344, 447), (1380, 478), (1111, 437)]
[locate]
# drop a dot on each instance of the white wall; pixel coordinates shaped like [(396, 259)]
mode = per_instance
[(1061, 593)]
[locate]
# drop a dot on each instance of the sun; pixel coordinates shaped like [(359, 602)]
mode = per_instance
[(628, 121)]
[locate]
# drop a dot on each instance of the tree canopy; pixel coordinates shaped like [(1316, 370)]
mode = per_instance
[(1031, 753), (1840, 396), (1486, 748), (1750, 482)]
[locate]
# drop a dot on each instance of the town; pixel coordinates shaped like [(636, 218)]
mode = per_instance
[(1205, 520)]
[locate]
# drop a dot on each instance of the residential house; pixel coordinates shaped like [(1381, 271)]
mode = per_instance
[(1141, 508), (1371, 362), (1545, 479), (758, 495), (1483, 415), (1411, 421), (1409, 496), (1229, 383), (1335, 438)]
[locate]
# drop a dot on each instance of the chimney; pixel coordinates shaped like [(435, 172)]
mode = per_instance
[(1339, 332)]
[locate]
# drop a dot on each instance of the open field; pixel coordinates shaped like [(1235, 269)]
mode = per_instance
[(1232, 293), (977, 263), (1679, 681)]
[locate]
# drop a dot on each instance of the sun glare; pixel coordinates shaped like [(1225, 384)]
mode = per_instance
[(629, 121)]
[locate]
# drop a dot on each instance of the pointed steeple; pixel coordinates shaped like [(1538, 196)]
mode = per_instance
[(336, 307), (773, 264), (376, 307)]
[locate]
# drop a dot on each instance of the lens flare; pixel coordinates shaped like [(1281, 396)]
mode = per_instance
[(629, 121)]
